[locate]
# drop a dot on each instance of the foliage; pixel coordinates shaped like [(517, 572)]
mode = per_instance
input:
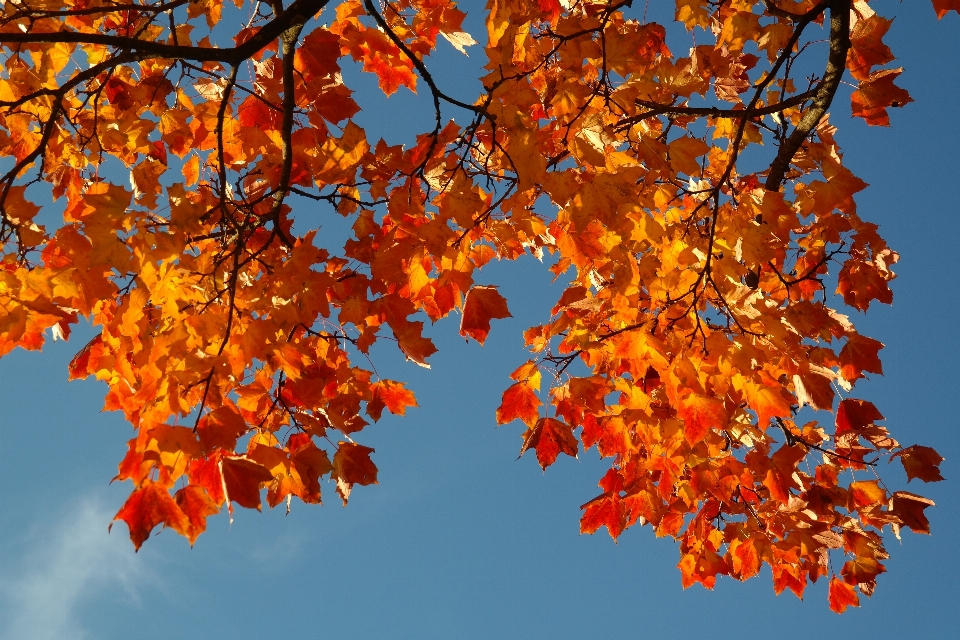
[(695, 203)]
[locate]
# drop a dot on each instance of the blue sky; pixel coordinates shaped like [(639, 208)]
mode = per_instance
[(460, 539)]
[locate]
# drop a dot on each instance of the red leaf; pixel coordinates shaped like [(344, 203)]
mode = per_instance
[(606, 510), (859, 355), (158, 152), (920, 462), (392, 396), (352, 465), (856, 415), (909, 508), (256, 112), (483, 303), (206, 473), (842, 595), (943, 7), (699, 415), (196, 504), (519, 402), (79, 367), (243, 479), (221, 428), (147, 507), (550, 438)]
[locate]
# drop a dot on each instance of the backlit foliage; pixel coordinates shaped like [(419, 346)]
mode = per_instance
[(692, 198)]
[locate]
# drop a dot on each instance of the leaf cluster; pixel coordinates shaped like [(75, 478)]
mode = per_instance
[(699, 213)]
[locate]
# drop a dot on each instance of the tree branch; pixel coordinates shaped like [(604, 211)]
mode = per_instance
[(300, 10), (836, 63)]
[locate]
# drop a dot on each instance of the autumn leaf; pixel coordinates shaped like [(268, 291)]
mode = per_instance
[(866, 47), (149, 506), (699, 415), (196, 505), (483, 304), (352, 465), (243, 479), (550, 438), (920, 462), (875, 94), (859, 354), (943, 7), (519, 402), (606, 510), (392, 396), (856, 415), (842, 595), (221, 428), (909, 507)]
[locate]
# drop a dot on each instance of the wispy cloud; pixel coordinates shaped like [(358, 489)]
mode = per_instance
[(76, 561)]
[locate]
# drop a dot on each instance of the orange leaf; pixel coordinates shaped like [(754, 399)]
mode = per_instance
[(79, 367), (412, 343), (842, 595), (149, 506), (875, 94), (699, 415), (781, 477), (519, 402), (196, 504), (392, 396), (860, 283), (866, 494), (221, 428), (768, 403), (550, 438), (191, 170), (866, 47), (483, 303), (606, 510)]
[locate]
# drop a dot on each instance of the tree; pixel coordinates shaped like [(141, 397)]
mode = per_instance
[(696, 206)]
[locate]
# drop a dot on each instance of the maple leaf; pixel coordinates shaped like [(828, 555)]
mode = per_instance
[(842, 595), (483, 304), (909, 507), (352, 465), (920, 462), (149, 506), (699, 415), (196, 505), (875, 94), (392, 396), (243, 479), (606, 510), (519, 402), (856, 415), (943, 7), (866, 48), (550, 438), (859, 354), (221, 428)]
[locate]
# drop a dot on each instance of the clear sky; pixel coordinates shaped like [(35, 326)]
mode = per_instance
[(460, 539)]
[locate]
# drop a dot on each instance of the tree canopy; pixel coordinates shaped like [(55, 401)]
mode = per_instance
[(691, 199)]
